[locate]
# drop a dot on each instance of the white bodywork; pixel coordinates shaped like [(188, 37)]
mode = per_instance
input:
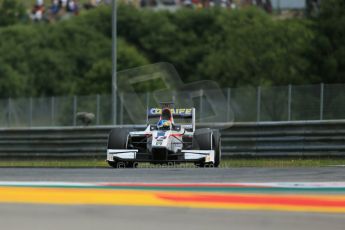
[(170, 140)]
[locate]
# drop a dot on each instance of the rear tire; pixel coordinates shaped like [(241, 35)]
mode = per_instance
[(217, 144), (202, 140)]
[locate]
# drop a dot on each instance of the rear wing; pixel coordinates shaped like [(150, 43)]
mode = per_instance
[(182, 116)]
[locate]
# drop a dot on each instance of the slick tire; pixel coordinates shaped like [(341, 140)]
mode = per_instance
[(217, 145), (206, 139), (118, 138)]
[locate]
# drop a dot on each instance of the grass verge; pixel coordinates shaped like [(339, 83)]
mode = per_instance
[(54, 163), (235, 162), (282, 162)]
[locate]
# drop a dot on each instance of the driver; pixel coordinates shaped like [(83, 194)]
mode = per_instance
[(164, 124)]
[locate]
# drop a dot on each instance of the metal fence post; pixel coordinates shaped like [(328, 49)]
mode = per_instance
[(228, 104), (52, 110), (147, 100), (173, 97), (289, 102), (121, 108), (98, 102), (30, 111), (201, 106), (75, 104), (114, 62), (321, 100), (9, 112), (258, 104)]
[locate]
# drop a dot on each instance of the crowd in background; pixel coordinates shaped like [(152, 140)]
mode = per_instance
[(232, 4), (60, 9), (64, 8)]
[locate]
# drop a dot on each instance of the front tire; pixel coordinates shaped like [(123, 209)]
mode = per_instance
[(118, 139)]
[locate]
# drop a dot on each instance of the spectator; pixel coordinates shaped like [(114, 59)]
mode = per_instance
[(64, 3), (224, 3), (72, 7), (212, 3), (55, 7), (197, 4), (268, 6), (188, 3), (92, 4), (143, 3), (153, 3), (37, 12)]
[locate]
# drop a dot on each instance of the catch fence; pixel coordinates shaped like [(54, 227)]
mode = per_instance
[(246, 104)]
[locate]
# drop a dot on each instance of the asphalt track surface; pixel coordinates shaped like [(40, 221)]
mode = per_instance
[(45, 216), (36, 217), (324, 174)]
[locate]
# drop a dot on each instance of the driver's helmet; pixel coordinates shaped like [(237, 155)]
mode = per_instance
[(163, 124)]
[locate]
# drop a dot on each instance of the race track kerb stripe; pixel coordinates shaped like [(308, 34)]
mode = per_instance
[(73, 196)]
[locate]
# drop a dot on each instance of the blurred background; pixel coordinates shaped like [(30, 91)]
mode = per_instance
[(275, 60)]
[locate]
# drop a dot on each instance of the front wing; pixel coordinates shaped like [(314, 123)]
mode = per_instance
[(202, 156)]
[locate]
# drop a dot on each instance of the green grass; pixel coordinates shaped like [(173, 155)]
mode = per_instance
[(281, 162), (51, 163)]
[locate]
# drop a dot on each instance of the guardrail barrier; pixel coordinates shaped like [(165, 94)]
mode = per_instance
[(298, 138)]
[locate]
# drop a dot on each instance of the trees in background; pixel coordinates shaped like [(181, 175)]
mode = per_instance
[(328, 47), (11, 12), (255, 49), (234, 48), (69, 57)]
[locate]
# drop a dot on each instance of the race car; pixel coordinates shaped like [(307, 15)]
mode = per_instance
[(164, 141)]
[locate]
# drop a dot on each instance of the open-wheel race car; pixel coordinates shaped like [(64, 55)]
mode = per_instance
[(164, 141)]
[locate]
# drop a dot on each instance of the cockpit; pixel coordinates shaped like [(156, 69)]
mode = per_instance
[(165, 121), (164, 125)]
